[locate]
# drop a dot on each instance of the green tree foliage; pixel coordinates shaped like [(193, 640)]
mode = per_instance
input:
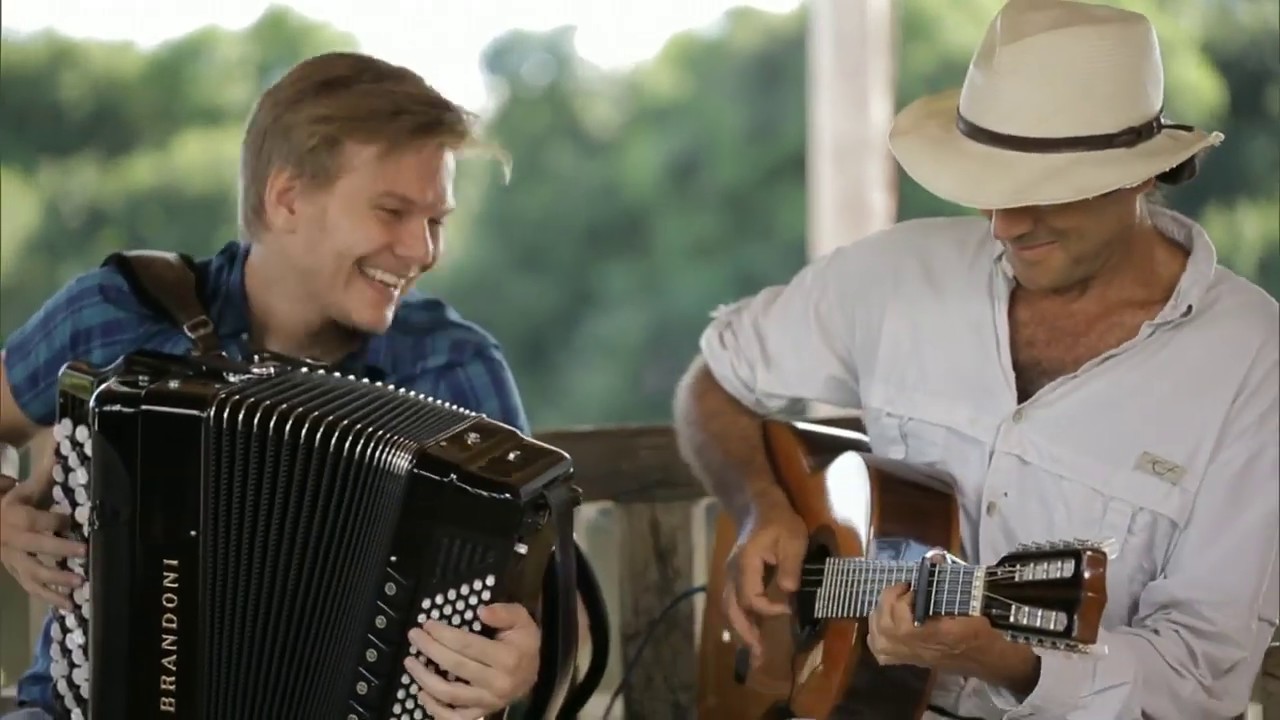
[(105, 146), (639, 202)]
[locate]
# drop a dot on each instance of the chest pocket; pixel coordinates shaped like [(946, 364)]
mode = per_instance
[(1100, 496), (934, 430)]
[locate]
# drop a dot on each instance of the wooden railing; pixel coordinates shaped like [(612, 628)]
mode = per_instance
[(646, 525)]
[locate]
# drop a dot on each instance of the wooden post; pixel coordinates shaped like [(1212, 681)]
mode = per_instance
[(15, 646), (852, 178), (657, 552)]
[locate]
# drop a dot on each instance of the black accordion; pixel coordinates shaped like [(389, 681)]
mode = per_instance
[(262, 536)]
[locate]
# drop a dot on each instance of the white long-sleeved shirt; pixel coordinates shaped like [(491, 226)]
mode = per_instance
[(909, 326)]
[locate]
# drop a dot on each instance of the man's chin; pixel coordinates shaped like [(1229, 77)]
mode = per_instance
[(370, 324)]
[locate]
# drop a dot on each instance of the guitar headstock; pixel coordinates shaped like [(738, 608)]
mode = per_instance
[(1049, 594)]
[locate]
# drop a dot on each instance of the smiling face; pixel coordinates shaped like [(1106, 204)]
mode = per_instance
[(353, 247), (1057, 247)]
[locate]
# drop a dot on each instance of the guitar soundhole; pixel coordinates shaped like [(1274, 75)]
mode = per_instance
[(805, 625)]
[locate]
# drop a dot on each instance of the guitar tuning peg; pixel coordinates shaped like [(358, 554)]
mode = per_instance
[(1107, 545)]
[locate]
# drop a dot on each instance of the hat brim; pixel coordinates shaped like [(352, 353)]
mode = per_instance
[(930, 149)]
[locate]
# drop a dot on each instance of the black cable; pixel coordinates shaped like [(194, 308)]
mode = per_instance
[(644, 640), (598, 628)]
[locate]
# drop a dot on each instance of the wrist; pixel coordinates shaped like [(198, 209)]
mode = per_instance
[(767, 498), (1012, 666)]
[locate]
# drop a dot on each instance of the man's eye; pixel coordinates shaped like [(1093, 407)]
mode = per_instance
[(393, 213)]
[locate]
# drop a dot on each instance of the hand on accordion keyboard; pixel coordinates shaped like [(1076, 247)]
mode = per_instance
[(27, 530), (481, 675)]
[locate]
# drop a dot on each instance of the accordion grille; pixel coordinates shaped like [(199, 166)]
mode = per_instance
[(306, 473)]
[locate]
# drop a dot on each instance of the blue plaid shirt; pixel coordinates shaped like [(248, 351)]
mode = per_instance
[(96, 318)]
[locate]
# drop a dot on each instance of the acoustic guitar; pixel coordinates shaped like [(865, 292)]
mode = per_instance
[(875, 522)]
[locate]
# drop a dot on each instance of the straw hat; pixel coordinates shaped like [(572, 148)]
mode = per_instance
[(1062, 102)]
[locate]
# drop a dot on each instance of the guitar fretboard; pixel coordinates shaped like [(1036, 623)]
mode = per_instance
[(851, 587)]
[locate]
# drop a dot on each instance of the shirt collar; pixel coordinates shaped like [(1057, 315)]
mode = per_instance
[(229, 308), (1196, 277)]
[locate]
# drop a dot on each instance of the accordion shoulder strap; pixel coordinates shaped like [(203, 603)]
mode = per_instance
[(167, 283)]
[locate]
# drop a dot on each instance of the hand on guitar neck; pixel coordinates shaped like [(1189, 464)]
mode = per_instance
[(961, 645)]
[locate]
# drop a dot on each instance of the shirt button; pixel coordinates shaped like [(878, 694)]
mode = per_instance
[(991, 508), (1017, 415)]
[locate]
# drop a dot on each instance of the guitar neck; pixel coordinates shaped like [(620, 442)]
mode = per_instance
[(851, 587)]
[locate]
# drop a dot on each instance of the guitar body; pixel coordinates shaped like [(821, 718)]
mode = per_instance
[(855, 505)]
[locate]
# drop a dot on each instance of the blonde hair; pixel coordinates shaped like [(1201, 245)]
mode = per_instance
[(302, 122)]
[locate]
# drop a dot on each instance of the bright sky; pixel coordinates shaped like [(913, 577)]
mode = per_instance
[(441, 39)]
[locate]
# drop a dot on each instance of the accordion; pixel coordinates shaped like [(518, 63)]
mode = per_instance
[(262, 536)]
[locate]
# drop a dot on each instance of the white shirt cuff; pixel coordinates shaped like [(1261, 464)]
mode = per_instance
[(1064, 679)]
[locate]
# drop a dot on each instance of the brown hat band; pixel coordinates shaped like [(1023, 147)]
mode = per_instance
[(1126, 138)]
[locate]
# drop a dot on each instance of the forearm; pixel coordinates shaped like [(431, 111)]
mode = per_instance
[(723, 443)]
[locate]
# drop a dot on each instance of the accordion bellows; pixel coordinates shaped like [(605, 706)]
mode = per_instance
[(263, 537)]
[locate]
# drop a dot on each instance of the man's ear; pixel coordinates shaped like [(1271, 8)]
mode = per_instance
[(1144, 187), (280, 201)]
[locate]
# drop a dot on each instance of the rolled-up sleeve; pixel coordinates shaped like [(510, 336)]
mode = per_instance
[(794, 342), (1196, 643)]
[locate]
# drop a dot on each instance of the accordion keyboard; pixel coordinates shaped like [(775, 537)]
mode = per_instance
[(70, 648)]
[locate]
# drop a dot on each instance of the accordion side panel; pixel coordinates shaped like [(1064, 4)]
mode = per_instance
[(166, 604)]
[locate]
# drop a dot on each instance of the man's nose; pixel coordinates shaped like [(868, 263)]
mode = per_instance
[(416, 243), (1012, 223)]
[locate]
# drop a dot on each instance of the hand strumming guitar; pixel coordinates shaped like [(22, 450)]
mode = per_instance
[(774, 535)]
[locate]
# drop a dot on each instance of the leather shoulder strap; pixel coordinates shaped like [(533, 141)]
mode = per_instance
[(166, 283)]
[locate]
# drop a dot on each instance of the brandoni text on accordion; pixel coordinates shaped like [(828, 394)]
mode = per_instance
[(262, 536)]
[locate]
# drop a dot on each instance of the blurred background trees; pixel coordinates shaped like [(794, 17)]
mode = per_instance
[(640, 200)]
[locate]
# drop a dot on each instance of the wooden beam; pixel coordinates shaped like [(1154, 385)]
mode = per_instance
[(638, 463)]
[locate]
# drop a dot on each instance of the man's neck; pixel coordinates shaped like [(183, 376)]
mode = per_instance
[(279, 320), (1144, 269)]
